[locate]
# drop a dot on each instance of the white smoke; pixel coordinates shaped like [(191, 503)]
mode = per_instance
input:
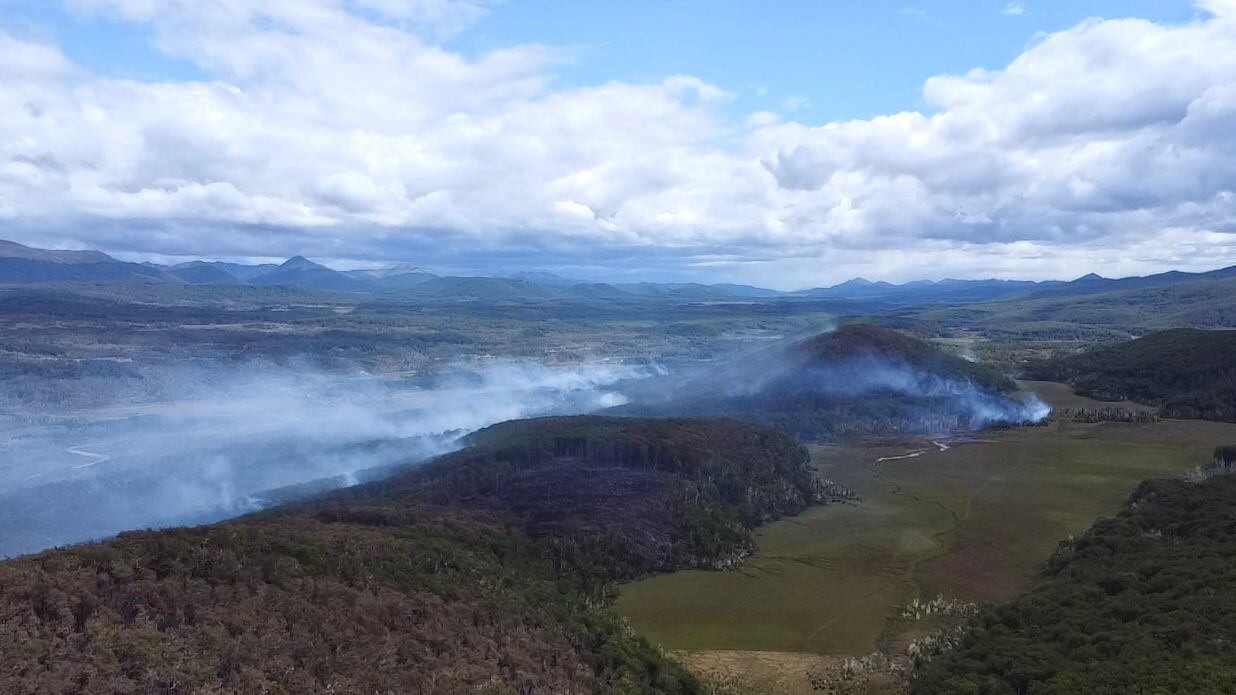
[(981, 406), (205, 443)]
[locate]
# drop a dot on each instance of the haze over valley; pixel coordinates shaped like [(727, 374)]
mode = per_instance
[(690, 348), (151, 402), (201, 443)]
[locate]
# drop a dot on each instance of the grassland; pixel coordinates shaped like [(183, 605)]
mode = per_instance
[(1143, 602), (973, 523)]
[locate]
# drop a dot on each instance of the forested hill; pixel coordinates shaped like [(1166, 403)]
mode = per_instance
[(481, 572), (856, 381), (1142, 603), (856, 342), (1187, 373), (638, 495)]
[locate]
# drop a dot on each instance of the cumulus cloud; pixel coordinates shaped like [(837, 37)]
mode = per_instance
[(1218, 7), (345, 129)]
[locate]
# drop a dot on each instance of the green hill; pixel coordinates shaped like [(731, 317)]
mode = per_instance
[(486, 571), (1187, 373)]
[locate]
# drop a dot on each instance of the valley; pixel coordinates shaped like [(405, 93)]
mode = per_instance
[(702, 489), (489, 347), (973, 523)]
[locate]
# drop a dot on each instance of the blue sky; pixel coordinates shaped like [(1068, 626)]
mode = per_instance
[(823, 60), (789, 144), (842, 59)]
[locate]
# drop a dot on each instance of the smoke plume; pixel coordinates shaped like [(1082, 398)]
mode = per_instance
[(198, 444)]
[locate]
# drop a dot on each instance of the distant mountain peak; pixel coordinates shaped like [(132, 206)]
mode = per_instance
[(861, 282), (300, 263), (1091, 276)]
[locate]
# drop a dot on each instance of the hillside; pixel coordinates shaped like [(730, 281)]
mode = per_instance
[(856, 381), (659, 494), (1116, 311), (200, 273), (856, 342), (482, 572), (1186, 373), (12, 250), (1144, 602)]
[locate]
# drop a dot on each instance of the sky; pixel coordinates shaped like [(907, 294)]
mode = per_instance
[(783, 144)]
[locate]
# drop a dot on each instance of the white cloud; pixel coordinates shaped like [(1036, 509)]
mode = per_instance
[(1218, 7), (1015, 8), (1107, 144)]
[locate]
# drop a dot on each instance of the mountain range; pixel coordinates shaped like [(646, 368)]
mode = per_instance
[(21, 265)]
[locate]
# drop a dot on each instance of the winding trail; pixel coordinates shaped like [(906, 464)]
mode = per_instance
[(943, 537)]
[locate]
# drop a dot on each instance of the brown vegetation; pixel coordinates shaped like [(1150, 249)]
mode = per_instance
[(477, 573)]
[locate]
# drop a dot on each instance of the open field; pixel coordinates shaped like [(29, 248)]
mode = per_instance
[(973, 522)]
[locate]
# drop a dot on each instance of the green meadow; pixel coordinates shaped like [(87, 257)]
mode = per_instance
[(973, 522)]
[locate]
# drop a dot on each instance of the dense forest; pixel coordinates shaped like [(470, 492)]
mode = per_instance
[(1142, 603), (1186, 373), (482, 572), (634, 495)]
